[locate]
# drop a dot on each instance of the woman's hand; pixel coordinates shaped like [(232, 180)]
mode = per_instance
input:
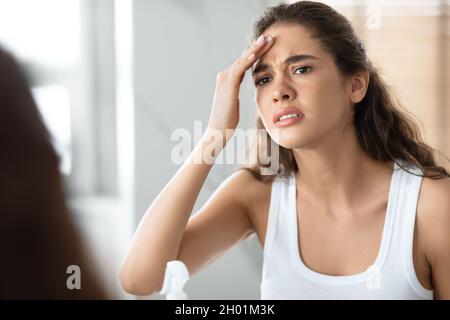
[(225, 109)]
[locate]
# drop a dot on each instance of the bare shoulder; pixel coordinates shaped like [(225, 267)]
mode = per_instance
[(255, 196), (435, 199), (433, 215), (248, 189)]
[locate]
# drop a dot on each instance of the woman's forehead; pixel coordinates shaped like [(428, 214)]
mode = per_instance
[(289, 40)]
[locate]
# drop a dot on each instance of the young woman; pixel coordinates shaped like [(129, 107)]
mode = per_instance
[(358, 209)]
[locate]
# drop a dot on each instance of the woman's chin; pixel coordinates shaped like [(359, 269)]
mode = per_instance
[(290, 140), (293, 145)]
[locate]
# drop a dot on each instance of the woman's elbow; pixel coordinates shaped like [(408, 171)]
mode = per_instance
[(132, 285)]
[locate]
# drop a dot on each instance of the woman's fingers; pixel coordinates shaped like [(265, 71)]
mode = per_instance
[(254, 52), (264, 49), (260, 43)]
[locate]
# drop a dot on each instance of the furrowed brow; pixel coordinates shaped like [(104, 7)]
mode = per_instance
[(261, 67)]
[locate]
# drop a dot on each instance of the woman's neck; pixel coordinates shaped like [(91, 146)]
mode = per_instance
[(338, 172)]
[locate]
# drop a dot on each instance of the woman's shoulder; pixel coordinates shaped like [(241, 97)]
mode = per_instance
[(246, 184), (256, 195), (433, 213), (434, 199), (252, 192), (437, 189)]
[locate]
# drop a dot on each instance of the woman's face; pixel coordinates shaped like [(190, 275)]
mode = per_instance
[(298, 74)]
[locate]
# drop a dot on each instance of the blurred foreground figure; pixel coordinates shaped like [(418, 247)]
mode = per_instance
[(38, 240)]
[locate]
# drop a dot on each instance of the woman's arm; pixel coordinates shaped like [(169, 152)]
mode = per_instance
[(434, 222), (221, 223), (158, 236), (440, 258)]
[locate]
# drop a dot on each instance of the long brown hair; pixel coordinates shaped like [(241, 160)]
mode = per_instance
[(38, 239), (384, 131)]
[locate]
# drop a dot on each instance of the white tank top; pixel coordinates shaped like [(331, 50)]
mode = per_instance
[(391, 276)]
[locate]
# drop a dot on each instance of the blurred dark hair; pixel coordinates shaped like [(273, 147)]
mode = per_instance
[(384, 131), (38, 239)]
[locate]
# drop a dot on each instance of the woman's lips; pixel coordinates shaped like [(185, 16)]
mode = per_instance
[(285, 116), (289, 121)]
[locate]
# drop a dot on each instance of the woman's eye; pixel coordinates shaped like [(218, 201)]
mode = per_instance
[(262, 81), (302, 70)]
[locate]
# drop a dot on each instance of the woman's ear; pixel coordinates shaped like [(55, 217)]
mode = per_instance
[(359, 83)]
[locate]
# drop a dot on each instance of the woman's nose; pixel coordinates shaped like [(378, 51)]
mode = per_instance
[(282, 92), (279, 97)]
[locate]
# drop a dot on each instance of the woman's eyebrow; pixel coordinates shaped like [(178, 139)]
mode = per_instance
[(289, 60)]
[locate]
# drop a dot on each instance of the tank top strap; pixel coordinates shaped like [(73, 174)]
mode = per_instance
[(272, 216), (276, 218)]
